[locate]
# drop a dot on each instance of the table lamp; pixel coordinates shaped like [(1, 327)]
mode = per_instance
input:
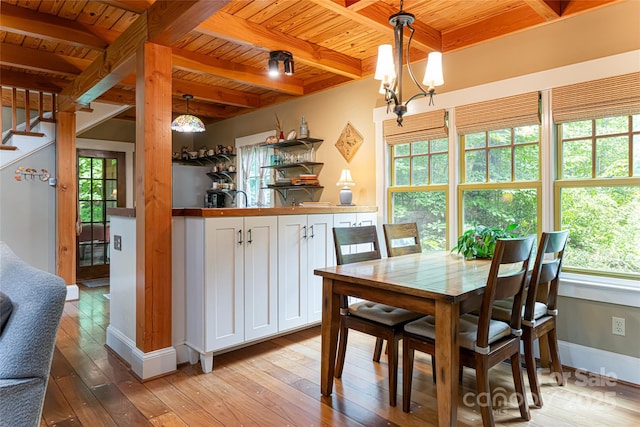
[(346, 182)]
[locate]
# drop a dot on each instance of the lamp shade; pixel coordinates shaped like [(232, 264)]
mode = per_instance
[(433, 75), (187, 123), (385, 69), (345, 179)]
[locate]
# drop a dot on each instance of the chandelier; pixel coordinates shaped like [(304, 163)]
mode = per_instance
[(187, 122), (390, 73)]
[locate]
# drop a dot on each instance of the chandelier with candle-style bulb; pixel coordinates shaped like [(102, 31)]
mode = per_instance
[(390, 71)]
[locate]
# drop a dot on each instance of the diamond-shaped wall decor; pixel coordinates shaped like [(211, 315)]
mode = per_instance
[(349, 142)]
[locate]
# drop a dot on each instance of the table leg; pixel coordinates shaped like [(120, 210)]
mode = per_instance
[(447, 360), (329, 332)]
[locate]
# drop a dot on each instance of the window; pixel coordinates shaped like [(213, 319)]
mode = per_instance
[(418, 191), (253, 176), (501, 178), (598, 194)]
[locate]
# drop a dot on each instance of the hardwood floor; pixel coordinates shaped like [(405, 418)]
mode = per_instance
[(276, 383)]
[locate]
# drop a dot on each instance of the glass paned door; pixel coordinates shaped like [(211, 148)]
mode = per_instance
[(100, 186)]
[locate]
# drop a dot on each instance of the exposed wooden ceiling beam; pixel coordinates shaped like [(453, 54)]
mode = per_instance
[(162, 23), (510, 22), (31, 81), (237, 30), (548, 9), (135, 6), (196, 61), (22, 57), (27, 22), (216, 94)]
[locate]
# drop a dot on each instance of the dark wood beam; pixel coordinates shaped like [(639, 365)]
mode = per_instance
[(229, 27)]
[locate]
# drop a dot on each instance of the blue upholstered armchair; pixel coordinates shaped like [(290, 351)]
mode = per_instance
[(31, 303)]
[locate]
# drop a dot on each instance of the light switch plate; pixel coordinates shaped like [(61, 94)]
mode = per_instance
[(117, 242)]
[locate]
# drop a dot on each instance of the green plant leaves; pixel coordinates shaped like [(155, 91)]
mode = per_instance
[(480, 241)]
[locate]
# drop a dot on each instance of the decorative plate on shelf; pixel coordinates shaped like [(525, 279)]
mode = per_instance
[(291, 135)]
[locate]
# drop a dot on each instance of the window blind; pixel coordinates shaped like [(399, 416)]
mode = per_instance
[(418, 127), (502, 113), (613, 96)]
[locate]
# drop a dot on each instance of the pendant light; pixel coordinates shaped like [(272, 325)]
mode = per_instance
[(187, 122)]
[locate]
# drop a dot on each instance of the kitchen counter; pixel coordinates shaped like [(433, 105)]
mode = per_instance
[(235, 212)]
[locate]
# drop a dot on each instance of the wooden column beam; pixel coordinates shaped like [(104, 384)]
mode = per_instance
[(67, 196), (153, 197)]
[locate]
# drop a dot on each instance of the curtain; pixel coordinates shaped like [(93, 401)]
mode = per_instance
[(418, 127), (501, 113), (261, 156), (247, 157)]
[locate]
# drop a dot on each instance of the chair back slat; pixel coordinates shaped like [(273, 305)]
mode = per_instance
[(401, 232), (345, 239), (513, 255), (546, 270)]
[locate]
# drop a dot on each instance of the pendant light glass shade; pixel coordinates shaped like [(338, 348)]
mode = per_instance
[(187, 122)]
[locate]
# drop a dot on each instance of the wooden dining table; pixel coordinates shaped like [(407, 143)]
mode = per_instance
[(437, 283)]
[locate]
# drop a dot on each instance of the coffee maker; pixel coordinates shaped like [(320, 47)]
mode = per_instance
[(215, 199)]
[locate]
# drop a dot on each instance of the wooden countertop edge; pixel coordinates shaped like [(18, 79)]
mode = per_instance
[(226, 212)]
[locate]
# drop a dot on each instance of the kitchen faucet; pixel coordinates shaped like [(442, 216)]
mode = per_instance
[(246, 198)]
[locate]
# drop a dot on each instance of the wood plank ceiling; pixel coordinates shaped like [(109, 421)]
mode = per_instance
[(222, 61)]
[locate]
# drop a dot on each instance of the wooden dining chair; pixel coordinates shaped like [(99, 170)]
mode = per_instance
[(539, 310), (380, 320), (402, 239), (484, 342)]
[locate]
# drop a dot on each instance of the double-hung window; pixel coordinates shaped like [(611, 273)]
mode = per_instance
[(419, 171), (597, 191), (500, 163)]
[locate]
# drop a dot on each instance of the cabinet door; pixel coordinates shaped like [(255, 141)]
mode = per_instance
[(320, 254), (224, 282), (345, 219), (260, 276), (292, 271)]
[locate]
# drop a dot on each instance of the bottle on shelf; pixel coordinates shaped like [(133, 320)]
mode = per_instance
[(304, 130)]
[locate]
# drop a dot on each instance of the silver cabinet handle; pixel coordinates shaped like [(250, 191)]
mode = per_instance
[(239, 237), (312, 235), (304, 231), (250, 240)]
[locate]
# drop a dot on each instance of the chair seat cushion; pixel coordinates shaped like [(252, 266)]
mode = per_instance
[(468, 329), (502, 310), (382, 313)]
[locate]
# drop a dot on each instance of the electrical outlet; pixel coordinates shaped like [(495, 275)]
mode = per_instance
[(117, 242), (617, 326)]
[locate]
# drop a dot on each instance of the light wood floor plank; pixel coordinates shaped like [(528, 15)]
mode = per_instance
[(277, 383)]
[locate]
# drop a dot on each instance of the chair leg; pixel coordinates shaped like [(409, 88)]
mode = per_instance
[(530, 362), (342, 349), (519, 384), (484, 392), (392, 360), (407, 375), (377, 351), (555, 356)]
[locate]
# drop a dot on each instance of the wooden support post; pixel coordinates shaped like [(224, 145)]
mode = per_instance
[(67, 196), (153, 197)]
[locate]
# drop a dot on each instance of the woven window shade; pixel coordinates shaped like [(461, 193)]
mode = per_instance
[(613, 96), (502, 113), (418, 127)]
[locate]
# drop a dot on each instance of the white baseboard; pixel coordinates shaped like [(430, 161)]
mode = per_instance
[(601, 362), (73, 293), (144, 365)]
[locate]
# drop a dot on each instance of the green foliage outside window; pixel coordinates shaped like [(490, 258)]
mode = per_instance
[(599, 193)]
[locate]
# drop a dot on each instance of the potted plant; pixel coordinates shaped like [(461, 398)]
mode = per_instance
[(480, 241)]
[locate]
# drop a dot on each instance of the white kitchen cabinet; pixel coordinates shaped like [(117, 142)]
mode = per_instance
[(305, 242), (231, 283), (359, 219)]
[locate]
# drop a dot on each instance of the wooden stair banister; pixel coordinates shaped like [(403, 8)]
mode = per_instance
[(45, 103)]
